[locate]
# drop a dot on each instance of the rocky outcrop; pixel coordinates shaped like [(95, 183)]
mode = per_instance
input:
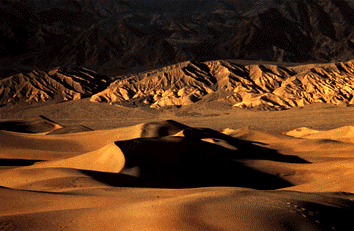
[(264, 87), (61, 83), (179, 84), (332, 83)]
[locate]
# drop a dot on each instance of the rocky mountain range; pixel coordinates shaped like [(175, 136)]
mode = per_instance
[(257, 86), (160, 53), (60, 84), (261, 87), (118, 37)]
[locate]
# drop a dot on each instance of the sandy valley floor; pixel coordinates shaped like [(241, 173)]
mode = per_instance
[(90, 166)]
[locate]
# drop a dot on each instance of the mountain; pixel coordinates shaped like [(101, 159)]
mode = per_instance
[(109, 46), (118, 37), (60, 84), (262, 87), (161, 52), (34, 33), (294, 31)]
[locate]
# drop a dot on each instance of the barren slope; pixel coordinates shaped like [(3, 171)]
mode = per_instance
[(258, 86), (254, 86), (61, 83)]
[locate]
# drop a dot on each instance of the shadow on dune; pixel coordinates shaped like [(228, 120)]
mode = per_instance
[(246, 149), (183, 162), (34, 125), (164, 128), (39, 125), (17, 162)]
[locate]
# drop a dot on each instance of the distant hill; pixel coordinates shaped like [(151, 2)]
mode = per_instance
[(119, 37), (60, 84), (260, 86)]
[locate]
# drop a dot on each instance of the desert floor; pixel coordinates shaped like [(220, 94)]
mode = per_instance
[(80, 165)]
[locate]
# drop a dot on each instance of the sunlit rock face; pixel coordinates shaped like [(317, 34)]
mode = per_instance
[(60, 83), (265, 87), (261, 86)]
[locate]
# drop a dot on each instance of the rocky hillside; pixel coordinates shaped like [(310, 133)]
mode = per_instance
[(61, 84), (115, 37), (263, 87), (258, 86)]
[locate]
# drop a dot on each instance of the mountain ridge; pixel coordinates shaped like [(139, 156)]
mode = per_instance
[(59, 84), (260, 86), (49, 34), (264, 87)]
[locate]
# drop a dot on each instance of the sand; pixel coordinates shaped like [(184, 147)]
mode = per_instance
[(175, 169)]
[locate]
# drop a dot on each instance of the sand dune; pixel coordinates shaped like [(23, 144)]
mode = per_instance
[(170, 176), (343, 134), (35, 125)]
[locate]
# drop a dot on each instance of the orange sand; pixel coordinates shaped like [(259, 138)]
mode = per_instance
[(169, 176)]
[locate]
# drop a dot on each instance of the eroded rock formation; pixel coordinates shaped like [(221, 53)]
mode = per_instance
[(265, 87), (60, 83)]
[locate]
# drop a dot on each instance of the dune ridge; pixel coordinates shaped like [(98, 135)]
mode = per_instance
[(343, 134)]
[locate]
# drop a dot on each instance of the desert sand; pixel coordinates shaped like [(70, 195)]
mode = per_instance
[(81, 165)]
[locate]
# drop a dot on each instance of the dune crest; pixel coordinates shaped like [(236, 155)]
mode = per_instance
[(301, 132), (34, 125), (107, 159), (343, 134)]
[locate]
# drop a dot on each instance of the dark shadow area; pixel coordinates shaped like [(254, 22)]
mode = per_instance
[(246, 149), (39, 125), (115, 179), (159, 129), (35, 125), (189, 162), (17, 162), (26, 126)]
